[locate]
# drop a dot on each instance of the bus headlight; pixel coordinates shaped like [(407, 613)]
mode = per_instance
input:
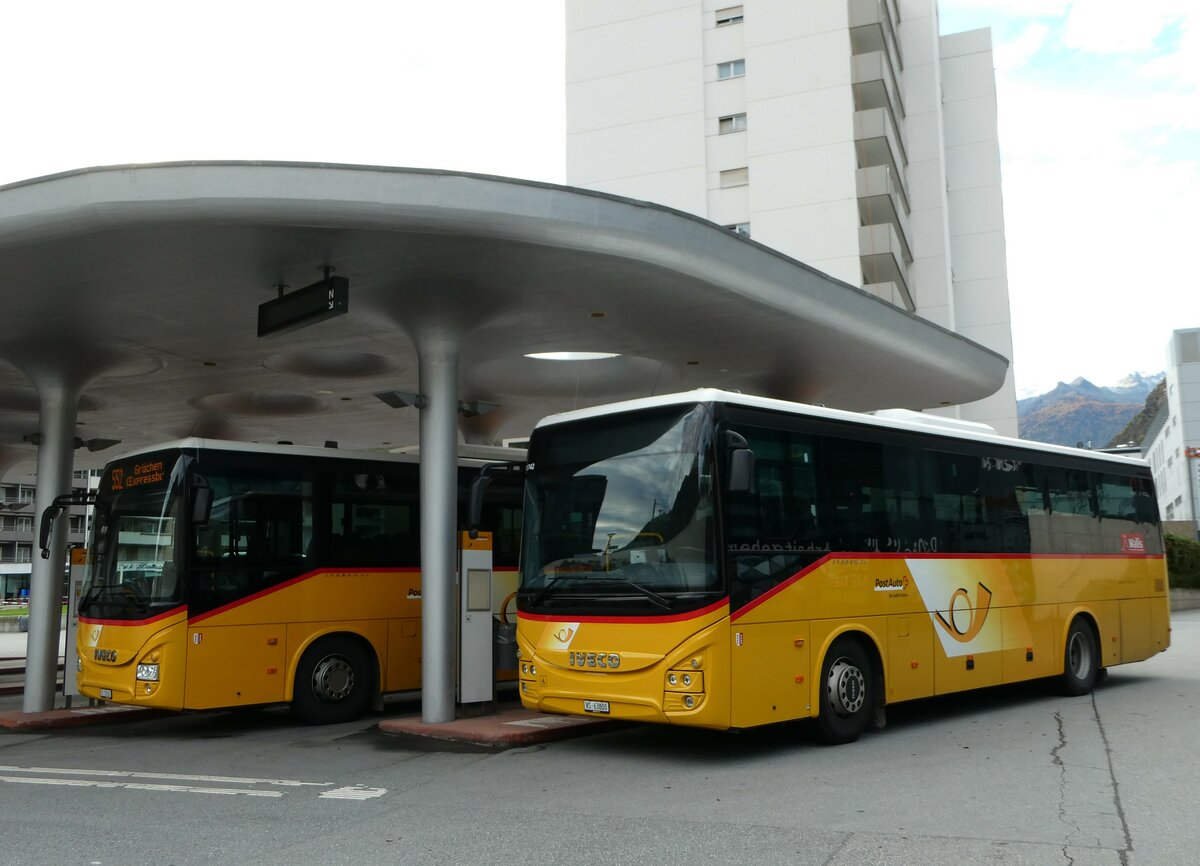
[(78, 663), (147, 673)]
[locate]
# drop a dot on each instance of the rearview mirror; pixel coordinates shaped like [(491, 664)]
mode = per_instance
[(741, 463), (202, 498), (55, 509)]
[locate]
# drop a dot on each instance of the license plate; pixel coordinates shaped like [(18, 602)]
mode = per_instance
[(595, 706), (106, 693)]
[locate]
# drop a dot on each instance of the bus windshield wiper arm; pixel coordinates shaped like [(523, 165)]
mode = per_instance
[(542, 593), (644, 590), (92, 596), (651, 594)]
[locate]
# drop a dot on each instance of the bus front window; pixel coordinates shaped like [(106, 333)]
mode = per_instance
[(135, 546), (620, 515)]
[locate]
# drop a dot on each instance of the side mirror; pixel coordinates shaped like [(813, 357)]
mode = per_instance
[(202, 498), (475, 494), (741, 463), (48, 517), (55, 509), (475, 502)]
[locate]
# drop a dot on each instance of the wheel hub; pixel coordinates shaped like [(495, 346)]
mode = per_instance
[(333, 679), (847, 687)]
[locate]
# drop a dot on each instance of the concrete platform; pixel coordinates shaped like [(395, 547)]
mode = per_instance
[(74, 717), (507, 728)]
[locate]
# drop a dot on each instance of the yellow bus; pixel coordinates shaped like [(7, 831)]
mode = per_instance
[(726, 561), (227, 574)]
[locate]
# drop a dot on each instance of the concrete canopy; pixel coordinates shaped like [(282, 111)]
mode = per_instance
[(140, 285)]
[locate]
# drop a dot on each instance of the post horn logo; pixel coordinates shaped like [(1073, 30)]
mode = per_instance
[(948, 621), (564, 634)]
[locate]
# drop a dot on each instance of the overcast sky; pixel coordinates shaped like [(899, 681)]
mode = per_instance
[(1099, 125)]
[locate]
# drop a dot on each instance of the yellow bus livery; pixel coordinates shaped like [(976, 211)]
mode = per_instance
[(226, 574), (726, 561)]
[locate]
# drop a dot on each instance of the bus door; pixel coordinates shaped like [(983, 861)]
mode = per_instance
[(253, 541)]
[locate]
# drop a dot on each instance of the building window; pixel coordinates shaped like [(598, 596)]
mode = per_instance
[(732, 69), (731, 123), (742, 229), (731, 15), (735, 177)]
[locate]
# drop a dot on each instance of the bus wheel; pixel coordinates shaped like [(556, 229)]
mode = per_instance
[(847, 692), (1081, 659), (332, 682)]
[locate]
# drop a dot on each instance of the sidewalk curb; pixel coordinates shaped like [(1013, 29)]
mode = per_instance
[(506, 728), (76, 717)]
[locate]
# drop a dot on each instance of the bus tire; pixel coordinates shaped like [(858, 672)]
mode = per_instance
[(1081, 659), (847, 701), (332, 682)]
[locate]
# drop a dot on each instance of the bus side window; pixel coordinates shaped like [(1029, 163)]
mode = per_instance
[(374, 520), (1073, 524)]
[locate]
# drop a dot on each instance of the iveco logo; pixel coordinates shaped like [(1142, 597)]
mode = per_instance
[(103, 655), (610, 661)]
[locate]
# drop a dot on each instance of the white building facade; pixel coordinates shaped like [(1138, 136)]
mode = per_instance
[(846, 134), (1173, 444)]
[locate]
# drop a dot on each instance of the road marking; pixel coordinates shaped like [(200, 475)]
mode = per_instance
[(174, 777), (353, 792), (136, 786), (122, 779)]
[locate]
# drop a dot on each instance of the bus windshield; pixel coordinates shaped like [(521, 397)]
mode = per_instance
[(620, 515), (135, 546)]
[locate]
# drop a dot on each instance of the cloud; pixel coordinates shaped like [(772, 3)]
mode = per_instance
[(1099, 128), (1116, 27), (393, 84), (1019, 51)]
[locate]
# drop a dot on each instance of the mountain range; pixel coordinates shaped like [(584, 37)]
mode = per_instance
[(1081, 413)]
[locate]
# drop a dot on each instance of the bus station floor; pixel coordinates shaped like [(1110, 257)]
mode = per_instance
[(508, 725), (505, 725)]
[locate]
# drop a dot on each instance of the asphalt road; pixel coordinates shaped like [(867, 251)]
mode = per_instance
[(1013, 775)]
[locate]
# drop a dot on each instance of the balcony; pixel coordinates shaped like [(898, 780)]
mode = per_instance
[(876, 85), (878, 142), (882, 199), (893, 293), (882, 256), (873, 28)]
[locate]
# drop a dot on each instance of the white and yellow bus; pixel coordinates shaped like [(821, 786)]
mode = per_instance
[(227, 574), (726, 561)]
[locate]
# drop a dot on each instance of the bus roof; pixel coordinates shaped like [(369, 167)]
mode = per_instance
[(887, 419), (467, 454)]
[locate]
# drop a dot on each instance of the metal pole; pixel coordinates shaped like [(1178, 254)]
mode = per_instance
[(55, 456), (438, 361)]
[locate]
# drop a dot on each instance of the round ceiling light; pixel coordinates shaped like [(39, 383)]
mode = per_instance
[(572, 356)]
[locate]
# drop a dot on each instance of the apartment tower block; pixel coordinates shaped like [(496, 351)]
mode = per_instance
[(846, 134)]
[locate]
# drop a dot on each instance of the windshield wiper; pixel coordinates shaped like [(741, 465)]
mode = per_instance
[(91, 596), (608, 580), (549, 587), (644, 590)]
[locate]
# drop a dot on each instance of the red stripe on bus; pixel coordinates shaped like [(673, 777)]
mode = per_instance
[(670, 617), (172, 612), (292, 582), (780, 587)]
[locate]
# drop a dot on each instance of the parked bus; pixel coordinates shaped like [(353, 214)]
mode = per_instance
[(226, 574), (725, 561)]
